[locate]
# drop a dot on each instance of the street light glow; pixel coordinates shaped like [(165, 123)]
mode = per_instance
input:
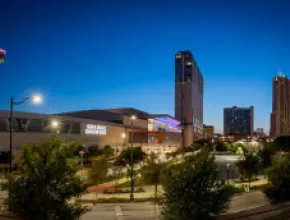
[(123, 135), (36, 99), (54, 123), (133, 117)]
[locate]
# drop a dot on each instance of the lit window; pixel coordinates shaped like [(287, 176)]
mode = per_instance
[(189, 63), (178, 56)]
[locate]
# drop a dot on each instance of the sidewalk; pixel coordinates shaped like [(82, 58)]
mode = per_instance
[(253, 183)]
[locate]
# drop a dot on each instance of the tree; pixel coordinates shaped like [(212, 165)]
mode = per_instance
[(248, 167), (108, 151), (152, 172), (93, 151), (192, 189), (283, 143), (98, 172), (44, 182), (228, 146), (279, 178), (4, 157), (239, 149), (125, 155), (220, 146), (266, 154)]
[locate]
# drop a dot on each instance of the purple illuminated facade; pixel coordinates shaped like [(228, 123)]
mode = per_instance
[(172, 124)]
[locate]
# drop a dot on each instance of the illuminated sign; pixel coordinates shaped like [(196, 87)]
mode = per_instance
[(96, 129)]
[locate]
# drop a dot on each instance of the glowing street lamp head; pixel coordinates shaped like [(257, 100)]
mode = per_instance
[(123, 135), (36, 99), (2, 55), (54, 123), (133, 117)]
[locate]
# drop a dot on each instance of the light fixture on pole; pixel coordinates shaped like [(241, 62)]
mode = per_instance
[(54, 123), (228, 172), (36, 100), (123, 135), (81, 152), (133, 117)]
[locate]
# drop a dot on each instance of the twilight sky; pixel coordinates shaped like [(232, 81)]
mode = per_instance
[(84, 55)]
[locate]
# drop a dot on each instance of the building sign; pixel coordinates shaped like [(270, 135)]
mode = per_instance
[(96, 129)]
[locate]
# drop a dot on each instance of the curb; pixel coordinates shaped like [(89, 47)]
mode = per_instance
[(255, 212)]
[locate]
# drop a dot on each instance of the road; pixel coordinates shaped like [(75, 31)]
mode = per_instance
[(138, 211), (123, 211)]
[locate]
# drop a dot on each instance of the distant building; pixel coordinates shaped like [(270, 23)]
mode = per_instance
[(280, 116), (259, 133), (188, 97), (239, 121), (208, 131)]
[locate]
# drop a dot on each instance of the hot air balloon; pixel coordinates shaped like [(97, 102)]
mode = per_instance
[(2, 55)]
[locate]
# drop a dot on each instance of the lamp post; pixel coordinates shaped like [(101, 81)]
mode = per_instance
[(36, 100), (228, 173), (133, 117), (81, 152), (123, 135), (56, 124)]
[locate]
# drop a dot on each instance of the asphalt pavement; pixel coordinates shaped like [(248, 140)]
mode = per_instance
[(122, 211), (148, 211)]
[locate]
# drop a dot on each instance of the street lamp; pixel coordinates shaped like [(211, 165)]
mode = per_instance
[(36, 100), (133, 117), (54, 123), (228, 173), (81, 152), (123, 135)]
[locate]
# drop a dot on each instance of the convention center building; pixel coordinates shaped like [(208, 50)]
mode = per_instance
[(118, 128)]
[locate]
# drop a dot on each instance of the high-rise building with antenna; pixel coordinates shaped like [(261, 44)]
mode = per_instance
[(280, 116)]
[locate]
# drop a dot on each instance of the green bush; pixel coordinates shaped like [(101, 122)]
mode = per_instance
[(248, 168), (279, 177), (45, 181), (193, 190)]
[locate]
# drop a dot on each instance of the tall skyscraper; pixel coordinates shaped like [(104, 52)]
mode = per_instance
[(188, 96), (239, 121), (280, 116)]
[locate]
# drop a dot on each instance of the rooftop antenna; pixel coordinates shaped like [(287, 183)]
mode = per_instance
[(280, 74), (279, 71)]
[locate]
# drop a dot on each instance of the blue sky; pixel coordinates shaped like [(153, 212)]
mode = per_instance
[(86, 55)]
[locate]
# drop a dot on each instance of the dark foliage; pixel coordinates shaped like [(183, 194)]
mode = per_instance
[(125, 156), (249, 167), (279, 178), (45, 180), (4, 157), (192, 189), (283, 143)]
